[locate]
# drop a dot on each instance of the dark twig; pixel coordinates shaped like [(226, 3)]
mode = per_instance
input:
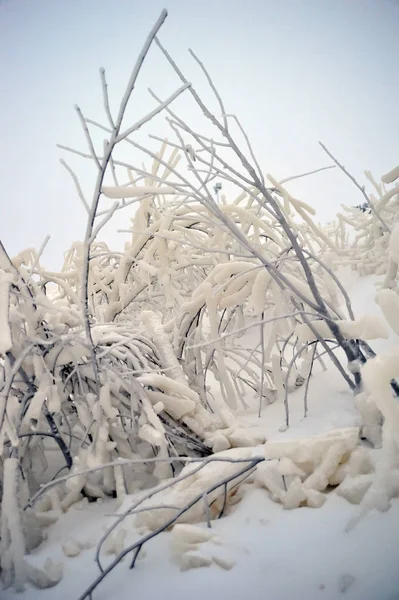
[(305, 397)]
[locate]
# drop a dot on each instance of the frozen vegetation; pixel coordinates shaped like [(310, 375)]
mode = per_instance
[(181, 405)]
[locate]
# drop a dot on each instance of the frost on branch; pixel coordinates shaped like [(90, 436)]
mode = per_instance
[(195, 485), (368, 327), (124, 361), (310, 451), (298, 471), (136, 191), (391, 176), (12, 543)]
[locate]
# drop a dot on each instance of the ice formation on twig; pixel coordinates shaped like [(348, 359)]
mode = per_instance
[(132, 363)]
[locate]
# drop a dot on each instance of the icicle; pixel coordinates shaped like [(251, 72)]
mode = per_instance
[(227, 389), (106, 403), (391, 176), (154, 325), (259, 288), (36, 403), (54, 400), (120, 485)]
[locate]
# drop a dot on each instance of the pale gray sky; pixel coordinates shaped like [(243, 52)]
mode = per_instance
[(294, 71)]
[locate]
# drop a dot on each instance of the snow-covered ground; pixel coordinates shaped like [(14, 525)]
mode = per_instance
[(277, 554)]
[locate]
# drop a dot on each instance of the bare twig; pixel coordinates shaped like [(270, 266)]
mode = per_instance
[(305, 397), (106, 97), (97, 190), (359, 187)]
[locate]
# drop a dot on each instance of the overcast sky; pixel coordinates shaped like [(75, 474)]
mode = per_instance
[(294, 71)]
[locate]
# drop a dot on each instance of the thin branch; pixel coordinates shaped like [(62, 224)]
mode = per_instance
[(153, 113), (37, 259), (97, 192), (88, 136), (134, 461), (213, 88), (305, 396), (268, 199), (137, 545), (103, 222), (104, 87), (287, 179), (359, 187)]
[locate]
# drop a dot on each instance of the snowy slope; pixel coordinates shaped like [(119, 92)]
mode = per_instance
[(277, 553)]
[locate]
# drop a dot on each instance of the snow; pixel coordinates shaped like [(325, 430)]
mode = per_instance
[(304, 506), (363, 292), (259, 549), (278, 554)]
